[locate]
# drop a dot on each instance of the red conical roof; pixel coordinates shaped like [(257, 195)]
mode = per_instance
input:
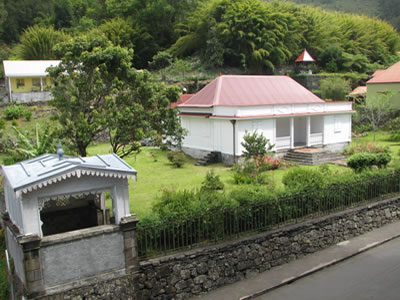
[(305, 57)]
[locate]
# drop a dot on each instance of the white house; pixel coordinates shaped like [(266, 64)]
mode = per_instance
[(27, 80), (288, 114)]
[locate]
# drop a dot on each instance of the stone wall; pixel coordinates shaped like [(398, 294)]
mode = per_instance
[(184, 275)]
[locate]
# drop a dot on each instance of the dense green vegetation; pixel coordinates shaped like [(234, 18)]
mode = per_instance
[(253, 35), (388, 10)]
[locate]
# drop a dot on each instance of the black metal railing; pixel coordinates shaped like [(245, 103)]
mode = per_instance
[(213, 226)]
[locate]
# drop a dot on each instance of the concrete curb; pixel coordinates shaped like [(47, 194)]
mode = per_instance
[(319, 268)]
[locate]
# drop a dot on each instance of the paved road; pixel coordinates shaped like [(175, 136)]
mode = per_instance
[(374, 274)]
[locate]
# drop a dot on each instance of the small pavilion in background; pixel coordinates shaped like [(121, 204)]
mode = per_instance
[(304, 63)]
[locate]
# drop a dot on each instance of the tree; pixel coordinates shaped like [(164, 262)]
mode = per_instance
[(377, 109), (37, 42), (255, 144), (97, 91), (334, 88)]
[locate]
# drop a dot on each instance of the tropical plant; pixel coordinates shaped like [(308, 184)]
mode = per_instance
[(37, 42), (25, 147)]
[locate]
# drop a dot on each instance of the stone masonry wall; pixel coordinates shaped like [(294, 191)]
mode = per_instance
[(184, 275)]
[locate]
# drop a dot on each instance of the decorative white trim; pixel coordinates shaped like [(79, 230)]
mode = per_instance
[(78, 174), (42, 201)]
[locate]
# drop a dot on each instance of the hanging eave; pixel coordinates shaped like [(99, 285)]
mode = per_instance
[(73, 173)]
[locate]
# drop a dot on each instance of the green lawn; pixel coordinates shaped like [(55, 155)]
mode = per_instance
[(154, 176)]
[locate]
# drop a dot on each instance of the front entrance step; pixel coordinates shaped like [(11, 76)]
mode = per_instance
[(211, 158), (312, 156)]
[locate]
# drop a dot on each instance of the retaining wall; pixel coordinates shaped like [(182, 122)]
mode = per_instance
[(190, 273)]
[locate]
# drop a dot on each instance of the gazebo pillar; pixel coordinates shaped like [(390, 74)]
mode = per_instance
[(120, 196)]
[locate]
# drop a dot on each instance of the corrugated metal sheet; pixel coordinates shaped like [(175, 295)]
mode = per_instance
[(390, 75), (253, 90), (49, 166), (27, 68), (182, 99)]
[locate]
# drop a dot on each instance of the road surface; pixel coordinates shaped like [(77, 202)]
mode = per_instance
[(374, 274)]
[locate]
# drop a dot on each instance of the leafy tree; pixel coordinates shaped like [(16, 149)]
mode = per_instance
[(334, 88), (161, 60), (21, 14), (105, 94), (377, 109), (63, 15), (255, 144), (37, 42)]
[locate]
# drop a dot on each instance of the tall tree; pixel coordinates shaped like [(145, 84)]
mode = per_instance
[(97, 91)]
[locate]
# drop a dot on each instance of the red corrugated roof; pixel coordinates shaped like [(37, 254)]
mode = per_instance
[(182, 99), (305, 57), (360, 90), (391, 74), (251, 90)]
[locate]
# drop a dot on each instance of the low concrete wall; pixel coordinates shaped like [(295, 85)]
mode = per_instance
[(194, 272), (77, 255), (31, 97)]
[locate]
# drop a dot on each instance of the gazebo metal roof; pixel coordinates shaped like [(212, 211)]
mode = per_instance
[(47, 169)]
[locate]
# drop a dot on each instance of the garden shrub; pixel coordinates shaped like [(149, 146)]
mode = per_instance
[(177, 158), (248, 172), (362, 128), (27, 115), (212, 182), (303, 179), (362, 161), (14, 112), (2, 124), (267, 163), (255, 145), (334, 88)]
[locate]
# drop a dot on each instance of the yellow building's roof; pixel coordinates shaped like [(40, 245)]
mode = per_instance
[(27, 68)]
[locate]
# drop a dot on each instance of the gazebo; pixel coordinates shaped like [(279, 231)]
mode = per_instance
[(59, 229), (304, 62)]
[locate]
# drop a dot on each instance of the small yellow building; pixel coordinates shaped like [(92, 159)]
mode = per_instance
[(386, 82), (27, 80)]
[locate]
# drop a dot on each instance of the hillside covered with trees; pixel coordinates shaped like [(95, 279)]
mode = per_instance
[(253, 35), (388, 10)]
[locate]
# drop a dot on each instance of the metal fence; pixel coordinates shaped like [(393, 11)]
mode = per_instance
[(223, 224)]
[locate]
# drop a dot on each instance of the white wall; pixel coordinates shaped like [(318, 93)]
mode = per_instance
[(223, 136), (337, 128), (200, 132), (317, 124)]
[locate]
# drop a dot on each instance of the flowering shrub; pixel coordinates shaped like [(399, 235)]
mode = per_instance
[(367, 148), (267, 162)]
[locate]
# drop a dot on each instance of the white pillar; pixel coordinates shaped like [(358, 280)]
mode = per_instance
[(308, 131), (41, 84), (120, 200), (9, 90), (291, 133)]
